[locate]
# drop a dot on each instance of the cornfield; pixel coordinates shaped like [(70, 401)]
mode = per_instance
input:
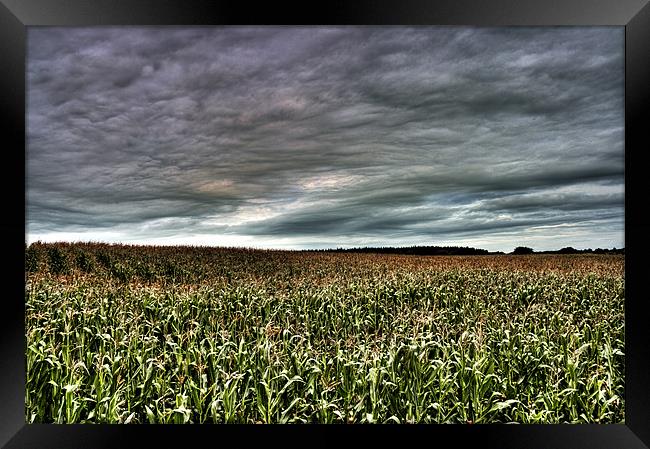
[(143, 334)]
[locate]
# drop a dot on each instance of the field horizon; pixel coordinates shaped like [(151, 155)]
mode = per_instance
[(378, 249)]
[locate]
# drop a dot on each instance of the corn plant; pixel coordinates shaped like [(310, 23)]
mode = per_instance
[(136, 334)]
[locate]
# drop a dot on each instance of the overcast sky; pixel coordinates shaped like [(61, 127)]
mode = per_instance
[(314, 137)]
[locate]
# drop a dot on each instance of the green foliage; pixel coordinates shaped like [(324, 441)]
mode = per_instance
[(58, 260), (84, 261), (207, 335), (33, 258)]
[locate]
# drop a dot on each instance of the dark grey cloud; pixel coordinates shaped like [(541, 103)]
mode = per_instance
[(325, 136)]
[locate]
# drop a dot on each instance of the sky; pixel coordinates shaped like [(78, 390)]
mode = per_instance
[(324, 137)]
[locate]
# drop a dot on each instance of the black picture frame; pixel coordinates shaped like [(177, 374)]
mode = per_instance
[(16, 15)]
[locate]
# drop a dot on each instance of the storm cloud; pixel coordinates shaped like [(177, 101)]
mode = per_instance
[(312, 137)]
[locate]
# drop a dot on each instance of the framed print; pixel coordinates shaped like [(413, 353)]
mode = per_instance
[(379, 219)]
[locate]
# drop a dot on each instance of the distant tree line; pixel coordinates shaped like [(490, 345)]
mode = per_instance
[(415, 250), (463, 250), (571, 250)]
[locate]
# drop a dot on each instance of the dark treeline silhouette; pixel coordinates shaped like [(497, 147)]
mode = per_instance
[(415, 250), (571, 250), (463, 250)]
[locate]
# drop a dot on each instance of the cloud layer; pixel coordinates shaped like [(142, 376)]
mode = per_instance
[(327, 136)]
